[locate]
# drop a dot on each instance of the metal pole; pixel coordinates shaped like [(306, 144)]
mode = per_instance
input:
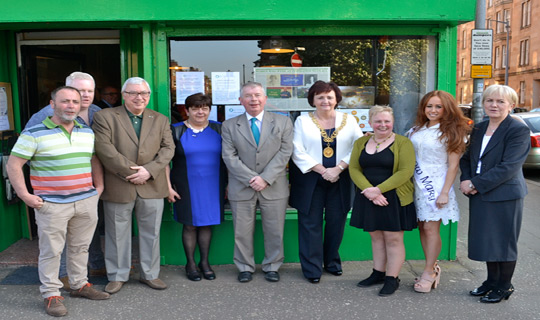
[(478, 84), (507, 52)]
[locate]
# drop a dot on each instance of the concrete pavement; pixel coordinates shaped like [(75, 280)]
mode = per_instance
[(295, 298)]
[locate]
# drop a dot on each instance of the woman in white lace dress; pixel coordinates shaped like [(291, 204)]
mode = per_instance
[(439, 139)]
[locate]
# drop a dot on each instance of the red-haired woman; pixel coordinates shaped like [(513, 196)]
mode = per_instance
[(439, 139)]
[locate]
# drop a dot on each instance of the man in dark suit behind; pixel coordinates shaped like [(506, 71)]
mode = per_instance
[(134, 145), (256, 148)]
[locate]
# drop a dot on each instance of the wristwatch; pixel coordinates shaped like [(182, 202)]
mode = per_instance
[(471, 185)]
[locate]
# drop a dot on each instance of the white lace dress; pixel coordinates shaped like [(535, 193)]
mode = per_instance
[(433, 157)]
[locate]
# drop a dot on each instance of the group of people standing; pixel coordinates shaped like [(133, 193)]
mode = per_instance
[(401, 183)]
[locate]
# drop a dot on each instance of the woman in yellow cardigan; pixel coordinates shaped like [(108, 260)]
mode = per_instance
[(382, 166)]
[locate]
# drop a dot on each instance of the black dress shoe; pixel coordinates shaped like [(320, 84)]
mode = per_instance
[(244, 276), (193, 275), (208, 274), (336, 273), (272, 276), (481, 290), (314, 280), (497, 295)]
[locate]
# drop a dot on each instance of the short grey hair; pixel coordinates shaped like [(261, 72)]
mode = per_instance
[(250, 84), (135, 80), (79, 76), (375, 110), (507, 92)]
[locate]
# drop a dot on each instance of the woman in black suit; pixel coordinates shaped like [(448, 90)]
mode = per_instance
[(493, 179)]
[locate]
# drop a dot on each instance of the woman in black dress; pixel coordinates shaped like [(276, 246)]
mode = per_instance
[(382, 166), (492, 178)]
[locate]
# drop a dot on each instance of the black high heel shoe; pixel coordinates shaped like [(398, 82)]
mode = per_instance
[(497, 295), (208, 274), (193, 275), (481, 290)]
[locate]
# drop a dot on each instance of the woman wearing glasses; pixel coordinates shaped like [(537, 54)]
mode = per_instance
[(196, 185)]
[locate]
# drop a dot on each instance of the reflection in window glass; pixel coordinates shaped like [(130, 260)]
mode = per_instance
[(396, 71)]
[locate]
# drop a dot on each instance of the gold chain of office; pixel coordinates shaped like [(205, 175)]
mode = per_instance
[(328, 152)]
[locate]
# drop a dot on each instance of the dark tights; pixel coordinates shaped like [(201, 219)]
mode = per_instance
[(500, 274), (193, 236)]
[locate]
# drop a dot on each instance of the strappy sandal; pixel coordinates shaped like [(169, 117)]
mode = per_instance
[(427, 282)]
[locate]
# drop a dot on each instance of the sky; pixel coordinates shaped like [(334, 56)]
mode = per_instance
[(217, 56)]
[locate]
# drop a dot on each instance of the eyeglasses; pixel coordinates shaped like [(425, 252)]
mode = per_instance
[(144, 94)]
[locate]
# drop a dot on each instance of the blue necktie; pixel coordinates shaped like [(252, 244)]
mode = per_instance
[(255, 130)]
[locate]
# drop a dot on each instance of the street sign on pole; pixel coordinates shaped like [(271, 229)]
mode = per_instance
[(480, 72), (481, 47)]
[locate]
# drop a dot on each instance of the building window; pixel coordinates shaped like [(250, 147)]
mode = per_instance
[(503, 54), (463, 70), (461, 97), (490, 3), (498, 27), (524, 52), (507, 17), (522, 92), (464, 39), (526, 14), (497, 57)]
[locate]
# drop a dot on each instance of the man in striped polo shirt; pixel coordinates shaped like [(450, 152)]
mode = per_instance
[(67, 183)]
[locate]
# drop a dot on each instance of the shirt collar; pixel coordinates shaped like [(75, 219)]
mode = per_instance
[(131, 115), (258, 117), (50, 124)]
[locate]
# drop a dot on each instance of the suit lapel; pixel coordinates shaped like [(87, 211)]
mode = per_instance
[(245, 130), (123, 116), (147, 125), (497, 135), (267, 127)]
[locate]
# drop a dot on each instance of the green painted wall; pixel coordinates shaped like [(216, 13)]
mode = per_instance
[(238, 10)]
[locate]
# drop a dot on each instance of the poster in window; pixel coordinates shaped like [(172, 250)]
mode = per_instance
[(188, 83), (357, 97), (287, 88), (225, 87), (6, 107)]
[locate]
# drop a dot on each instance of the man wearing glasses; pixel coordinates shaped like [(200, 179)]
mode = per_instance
[(134, 145), (109, 97)]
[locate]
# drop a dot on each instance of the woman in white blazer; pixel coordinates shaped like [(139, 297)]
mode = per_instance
[(320, 182)]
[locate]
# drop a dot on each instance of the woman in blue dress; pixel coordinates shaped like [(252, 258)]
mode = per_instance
[(197, 182)]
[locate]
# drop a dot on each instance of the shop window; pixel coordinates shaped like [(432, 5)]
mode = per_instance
[(524, 52), (526, 14), (394, 71)]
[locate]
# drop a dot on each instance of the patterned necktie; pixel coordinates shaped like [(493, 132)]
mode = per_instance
[(255, 130)]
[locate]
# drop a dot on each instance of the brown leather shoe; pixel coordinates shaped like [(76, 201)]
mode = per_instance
[(113, 286), (65, 282), (154, 284), (54, 306), (88, 291)]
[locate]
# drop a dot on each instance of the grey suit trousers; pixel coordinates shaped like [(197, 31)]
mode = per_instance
[(118, 221), (273, 222)]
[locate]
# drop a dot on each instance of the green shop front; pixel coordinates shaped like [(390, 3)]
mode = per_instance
[(385, 53)]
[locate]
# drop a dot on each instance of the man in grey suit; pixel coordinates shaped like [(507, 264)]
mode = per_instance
[(135, 145), (256, 148)]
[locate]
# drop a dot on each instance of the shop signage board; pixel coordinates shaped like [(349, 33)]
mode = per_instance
[(481, 72), (287, 88), (481, 46)]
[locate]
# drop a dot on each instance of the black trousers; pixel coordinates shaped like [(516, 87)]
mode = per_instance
[(316, 248)]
